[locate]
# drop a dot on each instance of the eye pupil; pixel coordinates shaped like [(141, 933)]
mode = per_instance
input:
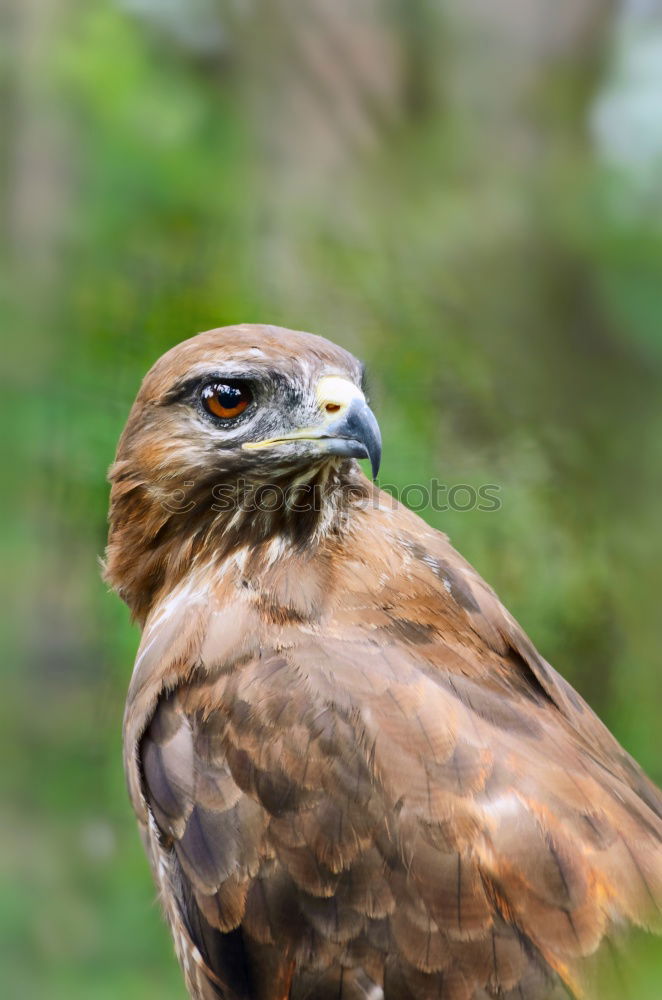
[(225, 400), (227, 396)]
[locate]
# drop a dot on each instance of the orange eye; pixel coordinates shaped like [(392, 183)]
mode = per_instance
[(225, 401)]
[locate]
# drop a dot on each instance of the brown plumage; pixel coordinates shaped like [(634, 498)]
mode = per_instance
[(354, 774)]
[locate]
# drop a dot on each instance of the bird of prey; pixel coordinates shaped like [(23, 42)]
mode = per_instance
[(355, 776)]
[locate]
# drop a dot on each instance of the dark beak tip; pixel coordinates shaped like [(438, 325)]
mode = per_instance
[(359, 424), (374, 455), (368, 456)]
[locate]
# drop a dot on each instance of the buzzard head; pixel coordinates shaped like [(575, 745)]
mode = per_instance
[(236, 435)]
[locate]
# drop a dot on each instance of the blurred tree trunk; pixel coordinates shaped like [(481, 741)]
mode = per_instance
[(323, 81), (36, 169)]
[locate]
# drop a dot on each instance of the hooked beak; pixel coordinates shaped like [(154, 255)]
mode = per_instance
[(349, 428), (356, 434)]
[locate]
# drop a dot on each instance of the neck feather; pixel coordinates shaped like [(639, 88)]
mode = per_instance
[(156, 537)]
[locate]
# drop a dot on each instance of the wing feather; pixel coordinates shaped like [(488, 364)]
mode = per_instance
[(400, 799)]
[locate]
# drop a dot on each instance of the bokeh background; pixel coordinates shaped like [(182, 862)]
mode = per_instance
[(468, 195)]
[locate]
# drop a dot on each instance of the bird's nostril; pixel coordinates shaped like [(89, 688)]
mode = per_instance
[(332, 407)]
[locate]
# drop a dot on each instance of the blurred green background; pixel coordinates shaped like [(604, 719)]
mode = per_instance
[(467, 195)]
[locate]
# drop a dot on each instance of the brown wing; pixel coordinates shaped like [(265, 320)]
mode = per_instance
[(291, 858), (401, 799)]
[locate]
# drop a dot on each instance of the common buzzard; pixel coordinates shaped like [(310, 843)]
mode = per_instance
[(354, 775)]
